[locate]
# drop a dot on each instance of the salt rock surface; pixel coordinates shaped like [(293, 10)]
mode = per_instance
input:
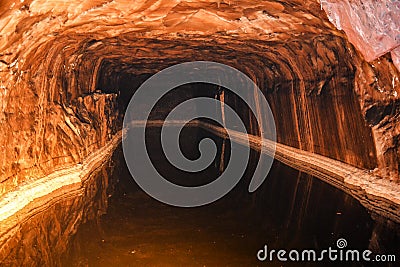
[(373, 27)]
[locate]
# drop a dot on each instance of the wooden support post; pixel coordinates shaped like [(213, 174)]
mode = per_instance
[(222, 104)]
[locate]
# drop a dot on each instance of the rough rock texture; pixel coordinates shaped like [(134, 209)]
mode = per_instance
[(42, 238), (53, 52), (63, 65), (372, 26), (60, 136), (396, 57)]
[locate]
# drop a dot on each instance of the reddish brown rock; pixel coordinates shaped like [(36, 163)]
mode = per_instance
[(396, 57), (65, 66)]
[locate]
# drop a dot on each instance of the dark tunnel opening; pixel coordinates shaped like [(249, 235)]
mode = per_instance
[(291, 209)]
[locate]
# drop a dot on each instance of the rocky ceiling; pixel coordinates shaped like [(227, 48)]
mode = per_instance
[(124, 34), (52, 51)]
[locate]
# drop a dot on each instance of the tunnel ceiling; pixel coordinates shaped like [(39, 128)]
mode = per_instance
[(71, 40), (147, 35), (52, 53)]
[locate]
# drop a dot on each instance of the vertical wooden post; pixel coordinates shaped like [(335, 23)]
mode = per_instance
[(222, 104)]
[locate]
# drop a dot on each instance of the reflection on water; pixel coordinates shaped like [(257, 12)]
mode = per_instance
[(291, 210)]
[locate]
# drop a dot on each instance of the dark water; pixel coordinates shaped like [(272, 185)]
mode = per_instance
[(291, 210)]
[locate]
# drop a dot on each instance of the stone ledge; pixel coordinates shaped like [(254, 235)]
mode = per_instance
[(21, 204), (376, 194)]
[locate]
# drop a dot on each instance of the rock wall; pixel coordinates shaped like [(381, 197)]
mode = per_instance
[(53, 55), (42, 239), (374, 29), (65, 66), (377, 86)]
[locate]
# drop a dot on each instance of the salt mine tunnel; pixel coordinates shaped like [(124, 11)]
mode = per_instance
[(68, 70)]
